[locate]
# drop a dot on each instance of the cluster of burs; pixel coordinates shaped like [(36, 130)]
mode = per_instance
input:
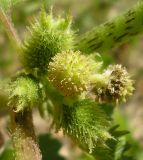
[(70, 84)]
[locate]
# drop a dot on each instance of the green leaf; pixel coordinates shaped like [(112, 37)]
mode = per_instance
[(118, 148)]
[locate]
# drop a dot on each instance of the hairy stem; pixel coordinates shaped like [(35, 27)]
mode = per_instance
[(9, 28), (23, 137), (114, 32)]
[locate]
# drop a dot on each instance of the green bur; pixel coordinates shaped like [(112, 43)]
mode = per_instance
[(48, 37), (24, 92), (86, 123)]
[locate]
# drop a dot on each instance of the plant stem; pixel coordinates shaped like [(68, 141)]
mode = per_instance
[(9, 28), (23, 137), (113, 33)]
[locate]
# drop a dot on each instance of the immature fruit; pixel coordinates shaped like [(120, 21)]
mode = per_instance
[(48, 37), (86, 123), (24, 92), (118, 87), (70, 72)]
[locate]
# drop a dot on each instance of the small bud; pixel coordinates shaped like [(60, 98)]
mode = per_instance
[(48, 37), (86, 123), (24, 92), (117, 88), (70, 72)]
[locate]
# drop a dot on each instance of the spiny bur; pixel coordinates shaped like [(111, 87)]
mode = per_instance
[(24, 92), (118, 85), (49, 36), (70, 72), (86, 124)]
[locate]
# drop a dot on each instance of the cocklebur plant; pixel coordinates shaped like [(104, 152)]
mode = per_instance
[(81, 116), (62, 68)]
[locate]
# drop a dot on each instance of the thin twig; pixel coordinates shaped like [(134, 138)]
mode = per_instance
[(9, 28)]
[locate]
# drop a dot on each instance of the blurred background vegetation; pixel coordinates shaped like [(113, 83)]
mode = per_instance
[(86, 15)]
